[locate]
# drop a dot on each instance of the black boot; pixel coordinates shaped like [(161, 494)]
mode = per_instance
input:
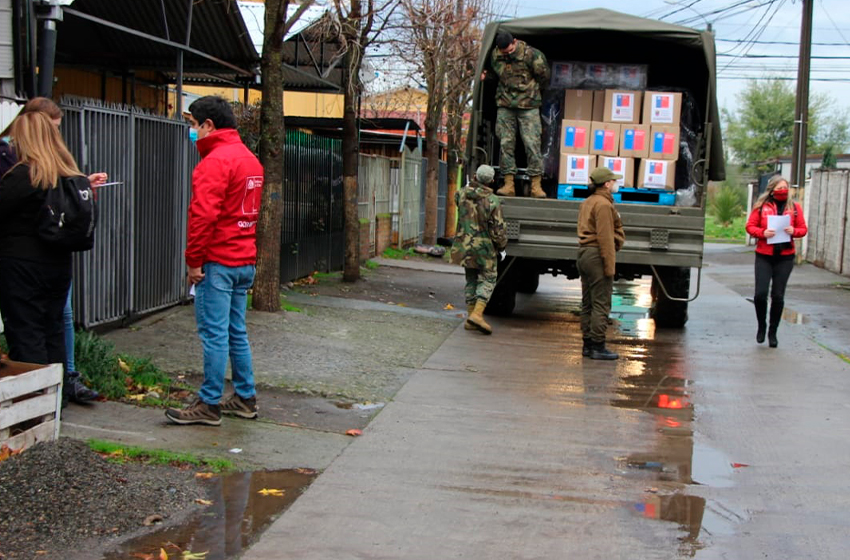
[(599, 352), (761, 317), (75, 391), (776, 308), (586, 346)]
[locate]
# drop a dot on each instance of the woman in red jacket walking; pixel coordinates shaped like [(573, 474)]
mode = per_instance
[(774, 261)]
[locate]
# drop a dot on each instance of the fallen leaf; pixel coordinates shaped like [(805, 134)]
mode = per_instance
[(354, 433), (739, 465), (123, 366), (162, 554), (204, 475), (194, 555), (449, 306), (301, 470), (271, 492), (203, 502), (152, 519), (135, 397)]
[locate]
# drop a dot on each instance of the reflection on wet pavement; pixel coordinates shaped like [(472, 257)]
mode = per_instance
[(243, 505)]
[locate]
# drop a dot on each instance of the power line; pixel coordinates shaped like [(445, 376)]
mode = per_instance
[(782, 56), (758, 35), (825, 11), (763, 78), (793, 43)]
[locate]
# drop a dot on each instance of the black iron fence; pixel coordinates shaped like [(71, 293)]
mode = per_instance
[(313, 219)]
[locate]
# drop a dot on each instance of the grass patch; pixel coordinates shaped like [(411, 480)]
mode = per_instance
[(734, 233), (118, 453), (393, 253), (285, 305), (371, 265), (327, 275)]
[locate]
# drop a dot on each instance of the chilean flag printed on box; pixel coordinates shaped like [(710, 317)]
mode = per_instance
[(634, 140), (615, 165), (623, 100), (664, 143), (662, 101), (577, 163), (603, 140), (657, 168), (574, 136)]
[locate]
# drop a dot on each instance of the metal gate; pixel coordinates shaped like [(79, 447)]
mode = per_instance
[(442, 192), (313, 219), (136, 265), (374, 186)]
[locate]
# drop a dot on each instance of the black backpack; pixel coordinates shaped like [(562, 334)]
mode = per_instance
[(69, 215)]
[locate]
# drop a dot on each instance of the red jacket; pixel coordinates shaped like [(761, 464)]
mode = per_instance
[(757, 223), (227, 187)]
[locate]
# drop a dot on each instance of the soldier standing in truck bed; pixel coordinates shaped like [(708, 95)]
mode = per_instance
[(522, 70)]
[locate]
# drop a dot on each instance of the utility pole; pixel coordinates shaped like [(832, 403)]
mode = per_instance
[(801, 110)]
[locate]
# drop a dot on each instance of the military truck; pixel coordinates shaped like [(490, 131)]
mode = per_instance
[(662, 242)]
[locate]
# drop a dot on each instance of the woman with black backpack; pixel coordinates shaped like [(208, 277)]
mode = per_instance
[(35, 274)]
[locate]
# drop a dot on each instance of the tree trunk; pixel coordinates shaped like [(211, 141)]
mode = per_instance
[(350, 152), (432, 182), (451, 207), (266, 292)]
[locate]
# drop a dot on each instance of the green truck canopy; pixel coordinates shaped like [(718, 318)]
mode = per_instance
[(677, 57)]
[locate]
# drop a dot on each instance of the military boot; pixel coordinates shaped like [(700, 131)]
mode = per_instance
[(536, 189), (586, 345), (508, 188), (599, 352), (476, 318), (470, 307)]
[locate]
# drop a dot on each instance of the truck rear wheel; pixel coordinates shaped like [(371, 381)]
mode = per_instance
[(528, 282), (503, 300), (667, 313)]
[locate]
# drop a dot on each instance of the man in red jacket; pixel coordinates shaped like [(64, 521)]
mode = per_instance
[(221, 252)]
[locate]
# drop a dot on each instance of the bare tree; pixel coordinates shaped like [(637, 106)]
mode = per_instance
[(471, 15), (439, 40), (356, 26), (266, 293)]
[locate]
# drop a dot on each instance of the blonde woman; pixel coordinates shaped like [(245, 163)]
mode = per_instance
[(774, 261), (34, 275)]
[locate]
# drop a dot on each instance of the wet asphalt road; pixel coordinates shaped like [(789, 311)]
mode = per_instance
[(697, 443)]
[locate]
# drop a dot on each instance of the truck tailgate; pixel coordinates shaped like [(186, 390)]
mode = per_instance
[(657, 235)]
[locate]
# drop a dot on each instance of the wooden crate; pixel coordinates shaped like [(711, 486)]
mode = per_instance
[(30, 403)]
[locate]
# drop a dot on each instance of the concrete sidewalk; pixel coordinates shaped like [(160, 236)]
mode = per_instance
[(514, 447)]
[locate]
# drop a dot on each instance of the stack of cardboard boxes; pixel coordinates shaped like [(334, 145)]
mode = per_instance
[(624, 131)]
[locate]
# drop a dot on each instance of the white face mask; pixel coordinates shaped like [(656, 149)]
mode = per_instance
[(615, 189)]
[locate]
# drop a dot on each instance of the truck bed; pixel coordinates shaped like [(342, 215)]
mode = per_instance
[(655, 235)]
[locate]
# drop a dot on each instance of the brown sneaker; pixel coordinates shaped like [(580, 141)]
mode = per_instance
[(198, 412), (243, 408)]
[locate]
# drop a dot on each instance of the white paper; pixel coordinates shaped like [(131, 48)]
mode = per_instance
[(778, 224), (192, 290)]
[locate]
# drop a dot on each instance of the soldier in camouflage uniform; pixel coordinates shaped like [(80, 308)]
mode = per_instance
[(522, 71), (480, 237)]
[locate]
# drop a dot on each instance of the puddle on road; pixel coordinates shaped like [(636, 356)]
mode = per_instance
[(363, 407), (237, 516)]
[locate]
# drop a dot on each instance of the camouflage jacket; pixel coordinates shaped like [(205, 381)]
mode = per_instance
[(480, 227), (521, 74)]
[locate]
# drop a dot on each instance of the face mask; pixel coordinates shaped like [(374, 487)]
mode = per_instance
[(7, 139), (780, 195), (193, 135), (615, 189)]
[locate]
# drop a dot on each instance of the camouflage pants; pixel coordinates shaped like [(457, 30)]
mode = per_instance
[(480, 284), (530, 130)]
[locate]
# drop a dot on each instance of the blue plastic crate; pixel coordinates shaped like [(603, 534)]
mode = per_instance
[(573, 192), (657, 197)]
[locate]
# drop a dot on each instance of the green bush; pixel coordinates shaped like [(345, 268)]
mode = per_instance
[(727, 205), (112, 374)]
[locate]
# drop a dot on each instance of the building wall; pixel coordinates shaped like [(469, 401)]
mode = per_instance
[(295, 103), (83, 83)]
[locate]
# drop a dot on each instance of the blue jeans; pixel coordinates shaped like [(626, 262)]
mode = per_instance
[(70, 364), (221, 300)]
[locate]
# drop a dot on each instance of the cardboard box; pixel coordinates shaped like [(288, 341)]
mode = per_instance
[(598, 105), (634, 140), (662, 107), (657, 174), (578, 105), (620, 166), (575, 169), (664, 142), (622, 106), (605, 139), (575, 137)]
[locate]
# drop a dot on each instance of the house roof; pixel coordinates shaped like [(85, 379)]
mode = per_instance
[(148, 34)]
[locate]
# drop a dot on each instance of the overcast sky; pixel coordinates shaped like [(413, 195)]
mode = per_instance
[(736, 23)]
